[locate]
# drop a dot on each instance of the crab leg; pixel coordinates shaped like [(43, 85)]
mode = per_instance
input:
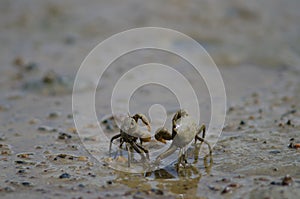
[(196, 153), (203, 129), (182, 158), (111, 140), (136, 148), (119, 149), (206, 165), (129, 154), (203, 140), (145, 150)]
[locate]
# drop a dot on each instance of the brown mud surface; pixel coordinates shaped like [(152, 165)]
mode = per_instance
[(255, 45)]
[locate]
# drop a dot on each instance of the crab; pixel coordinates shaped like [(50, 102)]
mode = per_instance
[(184, 130), (130, 133)]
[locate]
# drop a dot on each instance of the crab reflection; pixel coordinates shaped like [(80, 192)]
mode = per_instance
[(189, 171)]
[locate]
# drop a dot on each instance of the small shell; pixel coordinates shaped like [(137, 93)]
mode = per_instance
[(82, 158)]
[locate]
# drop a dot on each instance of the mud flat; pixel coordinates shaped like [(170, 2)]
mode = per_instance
[(255, 47)]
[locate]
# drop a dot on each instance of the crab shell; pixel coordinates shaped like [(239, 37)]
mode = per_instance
[(186, 129), (131, 127)]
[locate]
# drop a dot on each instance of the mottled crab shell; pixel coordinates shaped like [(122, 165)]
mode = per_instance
[(130, 126), (186, 129)]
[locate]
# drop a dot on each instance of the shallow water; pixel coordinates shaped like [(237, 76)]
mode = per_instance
[(255, 46)]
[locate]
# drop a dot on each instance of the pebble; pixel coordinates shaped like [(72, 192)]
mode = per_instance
[(33, 121), (157, 191), (70, 39), (2, 137), (5, 149), (18, 61), (275, 152), (53, 115), (50, 77), (9, 189), (20, 162), (251, 117), (24, 155), (214, 188), (234, 185), (47, 128), (21, 171), (64, 136), (38, 147), (61, 155), (262, 179), (226, 190), (26, 184), (275, 183), (242, 122), (24, 162), (91, 138), (223, 180), (109, 182), (81, 186), (92, 175), (7, 152), (31, 66), (64, 175), (287, 180), (72, 130), (109, 123), (82, 158)]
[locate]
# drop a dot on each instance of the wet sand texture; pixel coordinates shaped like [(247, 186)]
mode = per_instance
[(255, 45)]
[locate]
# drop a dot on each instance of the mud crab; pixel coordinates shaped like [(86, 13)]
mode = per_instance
[(130, 132), (184, 130)]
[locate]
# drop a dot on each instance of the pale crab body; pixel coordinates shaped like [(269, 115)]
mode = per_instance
[(129, 126), (184, 130), (130, 132)]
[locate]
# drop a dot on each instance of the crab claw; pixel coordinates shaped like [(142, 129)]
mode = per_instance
[(162, 135), (144, 119), (162, 140), (146, 139), (144, 136)]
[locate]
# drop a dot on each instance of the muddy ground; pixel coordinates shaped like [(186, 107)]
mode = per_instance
[(255, 45)]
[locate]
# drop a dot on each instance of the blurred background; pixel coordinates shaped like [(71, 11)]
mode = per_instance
[(234, 32)]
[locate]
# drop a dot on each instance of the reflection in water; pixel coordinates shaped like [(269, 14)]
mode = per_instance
[(188, 172), (207, 165), (178, 181)]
